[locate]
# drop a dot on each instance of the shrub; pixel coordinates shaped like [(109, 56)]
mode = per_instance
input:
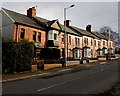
[(17, 56)]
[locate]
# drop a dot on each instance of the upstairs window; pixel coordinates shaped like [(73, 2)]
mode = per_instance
[(75, 41), (69, 41), (78, 41), (62, 37), (86, 41), (91, 42), (53, 35), (103, 43), (22, 33), (106, 43), (94, 42), (99, 43), (34, 35), (39, 37)]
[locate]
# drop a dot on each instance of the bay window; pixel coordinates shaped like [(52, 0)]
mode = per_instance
[(53, 35)]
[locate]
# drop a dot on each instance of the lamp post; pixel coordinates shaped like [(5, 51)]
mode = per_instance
[(65, 33), (109, 47)]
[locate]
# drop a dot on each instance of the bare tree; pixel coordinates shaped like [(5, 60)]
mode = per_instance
[(113, 35)]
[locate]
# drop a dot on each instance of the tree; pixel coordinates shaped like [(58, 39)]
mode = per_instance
[(113, 35)]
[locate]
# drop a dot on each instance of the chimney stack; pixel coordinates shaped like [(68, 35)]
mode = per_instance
[(31, 12), (89, 28), (68, 22)]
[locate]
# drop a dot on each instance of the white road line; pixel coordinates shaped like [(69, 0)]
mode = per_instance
[(56, 85), (66, 70), (102, 62)]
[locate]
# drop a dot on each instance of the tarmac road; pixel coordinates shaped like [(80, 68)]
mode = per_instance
[(94, 80)]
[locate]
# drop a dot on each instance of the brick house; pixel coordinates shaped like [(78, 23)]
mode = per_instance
[(48, 34)]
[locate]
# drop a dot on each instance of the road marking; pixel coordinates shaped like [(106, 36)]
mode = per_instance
[(56, 85), (103, 63), (66, 70)]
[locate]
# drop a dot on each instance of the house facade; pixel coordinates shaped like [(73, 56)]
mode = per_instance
[(48, 34)]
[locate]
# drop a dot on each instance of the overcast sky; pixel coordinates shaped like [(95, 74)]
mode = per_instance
[(98, 14)]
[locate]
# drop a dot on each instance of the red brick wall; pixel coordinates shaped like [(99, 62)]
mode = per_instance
[(29, 34)]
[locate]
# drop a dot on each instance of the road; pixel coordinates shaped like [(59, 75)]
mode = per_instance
[(92, 80)]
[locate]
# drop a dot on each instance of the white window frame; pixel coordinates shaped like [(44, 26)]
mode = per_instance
[(87, 52), (52, 33)]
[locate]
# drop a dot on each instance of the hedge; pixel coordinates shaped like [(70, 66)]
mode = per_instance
[(50, 54), (17, 56)]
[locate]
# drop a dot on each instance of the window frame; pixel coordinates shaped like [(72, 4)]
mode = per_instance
[(22, 33)]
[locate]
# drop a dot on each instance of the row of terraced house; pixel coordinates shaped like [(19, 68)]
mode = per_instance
[(49, 35)]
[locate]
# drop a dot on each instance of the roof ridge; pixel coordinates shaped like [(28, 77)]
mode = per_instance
[(13, 11)]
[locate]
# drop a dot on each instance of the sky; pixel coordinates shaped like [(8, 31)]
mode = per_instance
[(97, 14)]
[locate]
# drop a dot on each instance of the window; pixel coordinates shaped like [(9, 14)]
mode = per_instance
[(111, 51), (86, 41), (94, 42), (39, 37), (75, 40), (99, 43), (103, 43), (62, 37), (78, 41), (50, 35), (34, 35), (22, 33), (99, 52), (87, 52), (53, 35), (69, 40), (106, 43), (105, 51), (91, 42)]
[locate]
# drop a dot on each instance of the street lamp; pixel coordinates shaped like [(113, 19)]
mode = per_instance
[(65, 33), (109, 47)]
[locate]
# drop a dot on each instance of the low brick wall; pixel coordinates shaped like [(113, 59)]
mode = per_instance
[(34, 67), (91, 61), (102, 59), (71, 63), (50, 66)]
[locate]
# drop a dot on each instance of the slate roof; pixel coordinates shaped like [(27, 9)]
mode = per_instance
[(100, 35), (23, 19), (82, 32), (68, 30), (48, 23), (42, 23)]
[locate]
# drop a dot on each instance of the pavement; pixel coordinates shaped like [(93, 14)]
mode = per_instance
[(29, 74), (91, 79)]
